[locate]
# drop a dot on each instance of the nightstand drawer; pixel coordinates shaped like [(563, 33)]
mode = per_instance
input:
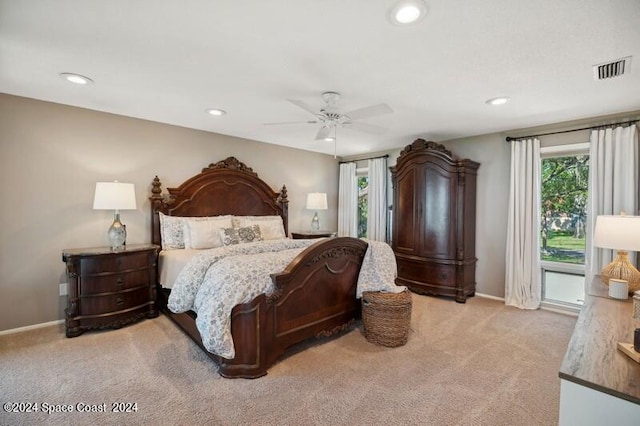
[(114, 263), (95, 305), (111, 283)]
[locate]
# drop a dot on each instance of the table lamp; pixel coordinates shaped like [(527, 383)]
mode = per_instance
[(316, 201), (115, 196), (621, 233)]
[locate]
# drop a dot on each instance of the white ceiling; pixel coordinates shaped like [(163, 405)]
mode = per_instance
[(168, 61)]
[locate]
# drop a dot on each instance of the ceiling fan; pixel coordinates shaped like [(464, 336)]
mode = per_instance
[(330, 118)]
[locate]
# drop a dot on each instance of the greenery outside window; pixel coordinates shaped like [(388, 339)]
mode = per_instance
[(564, 195), (363, 201)]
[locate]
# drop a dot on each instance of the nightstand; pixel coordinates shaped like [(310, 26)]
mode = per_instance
[(110, 289), (312, 234)]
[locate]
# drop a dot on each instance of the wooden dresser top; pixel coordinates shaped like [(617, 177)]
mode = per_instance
[(592, 358), (95, 251)]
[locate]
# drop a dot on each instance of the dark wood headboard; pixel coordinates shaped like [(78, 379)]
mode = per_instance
[(225, 187)]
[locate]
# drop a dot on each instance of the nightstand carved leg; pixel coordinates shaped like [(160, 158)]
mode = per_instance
[(72, 326)]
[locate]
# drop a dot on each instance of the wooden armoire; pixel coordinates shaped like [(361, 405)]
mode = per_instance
[(434, 221)]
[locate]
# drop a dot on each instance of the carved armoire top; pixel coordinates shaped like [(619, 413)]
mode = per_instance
[(423, 145)]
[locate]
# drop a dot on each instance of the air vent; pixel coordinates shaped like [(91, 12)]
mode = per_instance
[(612, 69)]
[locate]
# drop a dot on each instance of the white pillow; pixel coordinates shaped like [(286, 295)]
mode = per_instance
[(172, 230), (271, 227), (203, 232)]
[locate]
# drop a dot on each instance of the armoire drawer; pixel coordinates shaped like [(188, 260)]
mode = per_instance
[(426, 272)]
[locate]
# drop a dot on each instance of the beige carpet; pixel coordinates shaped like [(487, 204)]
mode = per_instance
[(478, 363)]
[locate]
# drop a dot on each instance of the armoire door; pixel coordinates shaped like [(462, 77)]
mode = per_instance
[(438, 208), (406, 211)]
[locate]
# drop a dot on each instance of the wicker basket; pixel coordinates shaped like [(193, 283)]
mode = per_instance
[(386, 317)]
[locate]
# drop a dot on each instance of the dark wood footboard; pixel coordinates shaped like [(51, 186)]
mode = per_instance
[(315, 296)]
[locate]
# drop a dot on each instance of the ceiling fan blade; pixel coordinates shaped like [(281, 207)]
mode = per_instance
[(370, 111), (323, 133), (303, 105), (291, 122), (364, 127)]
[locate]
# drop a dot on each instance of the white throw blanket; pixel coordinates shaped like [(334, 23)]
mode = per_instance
[(379, 270), (217, 280)]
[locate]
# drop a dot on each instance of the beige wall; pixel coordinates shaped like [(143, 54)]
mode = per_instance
[(494, 156), (52, 155)]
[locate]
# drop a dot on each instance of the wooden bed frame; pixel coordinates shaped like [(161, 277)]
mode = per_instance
[(315, 295)]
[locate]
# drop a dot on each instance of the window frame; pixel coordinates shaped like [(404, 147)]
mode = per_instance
[(567, 150)]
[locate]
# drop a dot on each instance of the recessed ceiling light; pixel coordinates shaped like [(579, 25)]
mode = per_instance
[(216, 111), (76, 78), (329, 139), (407, 12), (498, 101)]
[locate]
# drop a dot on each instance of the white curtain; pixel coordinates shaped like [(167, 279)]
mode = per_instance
[(348, 201), (613, 186), (523, 288), (377, 210)]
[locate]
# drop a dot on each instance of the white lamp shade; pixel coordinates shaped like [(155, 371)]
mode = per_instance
[(317, 201), (617, 232), (114, 196)]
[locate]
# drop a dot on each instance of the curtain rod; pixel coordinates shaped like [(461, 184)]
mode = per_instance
[(362, 159), (510, 139)]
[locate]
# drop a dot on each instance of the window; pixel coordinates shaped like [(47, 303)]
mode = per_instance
[(363, 201), (564, 193)]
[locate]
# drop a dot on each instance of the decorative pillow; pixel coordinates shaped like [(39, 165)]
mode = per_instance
[(171, 232), (204, 234), (243, 235), (271, 227), (196, 227)]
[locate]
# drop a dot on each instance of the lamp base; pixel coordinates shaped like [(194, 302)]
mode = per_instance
[(117, 234), (621, 268), (315, 222)]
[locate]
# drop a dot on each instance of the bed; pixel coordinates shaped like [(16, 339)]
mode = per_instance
[(314, 296)]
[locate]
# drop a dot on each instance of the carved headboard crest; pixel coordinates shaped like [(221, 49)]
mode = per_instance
[(231, 163)]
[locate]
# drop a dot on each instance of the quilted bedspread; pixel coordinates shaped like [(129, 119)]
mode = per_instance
[(216, 280)]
